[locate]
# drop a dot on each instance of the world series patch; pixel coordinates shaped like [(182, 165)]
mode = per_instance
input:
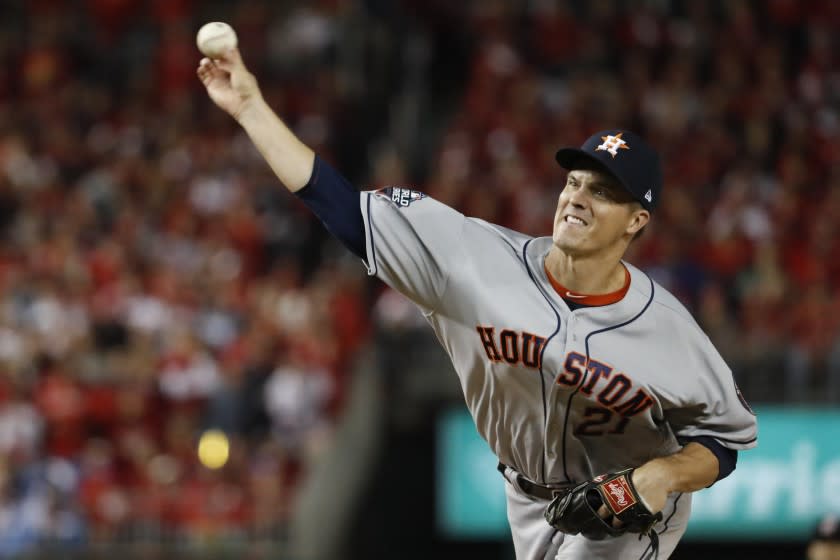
[(400, 195)]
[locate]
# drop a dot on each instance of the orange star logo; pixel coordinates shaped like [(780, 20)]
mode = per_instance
[(612, 144)]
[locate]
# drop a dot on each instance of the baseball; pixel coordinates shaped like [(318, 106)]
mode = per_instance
[(215, 38)]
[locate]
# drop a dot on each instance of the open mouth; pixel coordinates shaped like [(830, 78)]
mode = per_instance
[(574, 220)]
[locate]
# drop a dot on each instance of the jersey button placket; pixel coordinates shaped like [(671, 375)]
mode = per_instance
[(557, 398)]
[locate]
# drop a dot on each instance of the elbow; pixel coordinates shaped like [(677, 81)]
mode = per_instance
[(727, 460), (721, 460)]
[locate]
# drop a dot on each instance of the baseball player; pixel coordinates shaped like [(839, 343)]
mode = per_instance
[(605, 403)]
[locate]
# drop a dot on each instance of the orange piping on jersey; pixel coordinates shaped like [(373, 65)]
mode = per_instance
[(586, 299)]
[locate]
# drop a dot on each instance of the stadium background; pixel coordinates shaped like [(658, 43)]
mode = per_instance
[(156, 283)]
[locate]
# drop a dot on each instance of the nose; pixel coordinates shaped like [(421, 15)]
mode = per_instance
[(576, 197)]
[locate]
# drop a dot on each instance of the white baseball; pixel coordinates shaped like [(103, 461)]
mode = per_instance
[(215, 38)]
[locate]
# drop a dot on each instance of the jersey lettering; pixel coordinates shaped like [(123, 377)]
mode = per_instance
[(512, 346), (596, 371), (510, 352), (610, 394), (614, 390), (639, 402), (532, 349), (489, 342), (572, 370), (598, 422)]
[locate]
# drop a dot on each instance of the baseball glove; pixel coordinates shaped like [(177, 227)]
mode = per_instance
[(577, 511)]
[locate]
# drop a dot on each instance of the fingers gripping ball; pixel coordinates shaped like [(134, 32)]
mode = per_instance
[(215, 38), (577, 511)]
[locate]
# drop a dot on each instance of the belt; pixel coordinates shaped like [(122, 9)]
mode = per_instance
[(536, 490)]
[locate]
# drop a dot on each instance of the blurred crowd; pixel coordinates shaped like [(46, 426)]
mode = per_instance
[(156, 282), (741, 98)]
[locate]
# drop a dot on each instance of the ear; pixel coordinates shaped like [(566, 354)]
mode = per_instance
[(638, 219)]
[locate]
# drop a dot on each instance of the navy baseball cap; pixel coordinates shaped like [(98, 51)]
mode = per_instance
[(623, 154)]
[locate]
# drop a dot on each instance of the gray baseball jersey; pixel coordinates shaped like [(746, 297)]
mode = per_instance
[(521, 354)]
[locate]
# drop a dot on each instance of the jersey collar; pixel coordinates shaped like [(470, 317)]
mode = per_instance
[(635, 299), (588, 299)]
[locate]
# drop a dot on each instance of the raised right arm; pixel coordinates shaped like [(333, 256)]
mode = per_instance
[(233, 88), (324, 191), (408, 240)]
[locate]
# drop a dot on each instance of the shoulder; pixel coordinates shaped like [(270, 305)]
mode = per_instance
[(664, 307), (407, 198), (411, 211), (514, 239)]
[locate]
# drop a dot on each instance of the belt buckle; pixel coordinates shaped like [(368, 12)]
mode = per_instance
[(562, 491)]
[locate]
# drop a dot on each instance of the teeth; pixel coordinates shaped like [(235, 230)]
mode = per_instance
[(574, 220)]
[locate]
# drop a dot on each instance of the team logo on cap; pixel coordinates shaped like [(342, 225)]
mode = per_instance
[(612, 144)]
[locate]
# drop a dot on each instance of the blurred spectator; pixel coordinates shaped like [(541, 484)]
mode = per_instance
[(296, 394), (825, 541), (152, 282), (38, 508)]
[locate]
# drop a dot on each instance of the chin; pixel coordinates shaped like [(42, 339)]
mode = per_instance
[(568, 246)]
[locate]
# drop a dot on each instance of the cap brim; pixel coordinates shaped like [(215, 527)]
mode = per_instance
[(569, 158)]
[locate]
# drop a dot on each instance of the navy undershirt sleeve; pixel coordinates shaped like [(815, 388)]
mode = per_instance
[(727, 458), (335, 201)]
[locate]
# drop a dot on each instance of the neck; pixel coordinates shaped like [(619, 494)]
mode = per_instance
[(593, 275)]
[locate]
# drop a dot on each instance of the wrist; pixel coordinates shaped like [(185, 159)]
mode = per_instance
[(253, 110), (652, 483), (658, 472)]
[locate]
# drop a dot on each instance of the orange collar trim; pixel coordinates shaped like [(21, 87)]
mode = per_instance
[(587, 299)]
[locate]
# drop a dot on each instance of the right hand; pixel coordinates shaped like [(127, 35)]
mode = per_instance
[(230, 85)]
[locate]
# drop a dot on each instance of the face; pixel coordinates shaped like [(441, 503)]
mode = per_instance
[(595, 215)]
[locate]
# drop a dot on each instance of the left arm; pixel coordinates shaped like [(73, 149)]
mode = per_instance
[(715, 413), (692, 468)]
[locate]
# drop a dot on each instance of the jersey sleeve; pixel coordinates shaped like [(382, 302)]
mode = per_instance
[(412, 242), (711, 404)]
